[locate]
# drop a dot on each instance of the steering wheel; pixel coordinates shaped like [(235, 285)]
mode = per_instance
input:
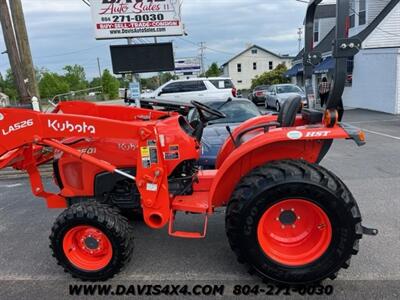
[(205, 108), (202, 109)]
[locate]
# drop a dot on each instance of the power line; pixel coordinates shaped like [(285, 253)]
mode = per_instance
[(231, 53), (69, 53)]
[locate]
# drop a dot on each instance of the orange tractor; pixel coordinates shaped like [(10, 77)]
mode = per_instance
[(291, 220)]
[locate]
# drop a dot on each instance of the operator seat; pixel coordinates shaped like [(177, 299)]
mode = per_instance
[(287, 115)]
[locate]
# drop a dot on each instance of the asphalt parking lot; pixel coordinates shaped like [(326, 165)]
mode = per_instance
[(372, 173)]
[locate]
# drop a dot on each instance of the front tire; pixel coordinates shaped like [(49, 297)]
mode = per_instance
[(293, 222), (92, 241)]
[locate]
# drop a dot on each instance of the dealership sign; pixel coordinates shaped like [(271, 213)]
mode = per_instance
[(114, 19), (187, 65)]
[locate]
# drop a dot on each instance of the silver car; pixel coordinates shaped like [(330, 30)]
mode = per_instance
[(277, 95)]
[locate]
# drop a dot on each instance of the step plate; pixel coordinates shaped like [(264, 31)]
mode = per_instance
[(196, 203), (186, 234)]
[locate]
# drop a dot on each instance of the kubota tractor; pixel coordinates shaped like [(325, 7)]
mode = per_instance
[(291, 220)]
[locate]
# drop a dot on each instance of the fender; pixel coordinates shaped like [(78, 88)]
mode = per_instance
[(281, 143), (228, 146)]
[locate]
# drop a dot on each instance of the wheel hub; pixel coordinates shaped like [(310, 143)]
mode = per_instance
[(91, 243), (287, 217)]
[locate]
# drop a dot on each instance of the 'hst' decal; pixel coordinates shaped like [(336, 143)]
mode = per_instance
[(318, 133), (17, 126)]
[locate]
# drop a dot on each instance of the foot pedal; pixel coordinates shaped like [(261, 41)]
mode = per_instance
[(186, 234)]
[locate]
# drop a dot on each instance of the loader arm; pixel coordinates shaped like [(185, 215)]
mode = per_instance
[(22, 131)]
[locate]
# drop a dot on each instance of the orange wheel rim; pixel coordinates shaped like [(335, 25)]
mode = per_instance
[(87, 248), (294, 232)]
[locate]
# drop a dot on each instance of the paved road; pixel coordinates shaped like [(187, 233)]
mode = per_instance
[(372, 172)]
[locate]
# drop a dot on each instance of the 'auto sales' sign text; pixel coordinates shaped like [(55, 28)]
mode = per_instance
[(115, 19)]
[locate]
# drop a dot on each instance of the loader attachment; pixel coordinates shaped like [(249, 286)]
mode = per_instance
[(24, 134)]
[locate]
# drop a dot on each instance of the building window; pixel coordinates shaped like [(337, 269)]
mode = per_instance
[(239, 68), (254, 66), (362, 15), (271, 65), (254, 51), (352, 14), (316, 31)]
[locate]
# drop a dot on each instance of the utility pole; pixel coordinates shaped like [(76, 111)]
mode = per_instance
[(100, 75), (12, 50), (159, 73), (202, 48), (98, 65), (300, 33), (25, 54)]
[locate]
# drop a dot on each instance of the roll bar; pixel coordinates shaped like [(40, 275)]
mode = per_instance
[(343, 48)]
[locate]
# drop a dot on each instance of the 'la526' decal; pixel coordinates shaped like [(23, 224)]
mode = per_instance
[(17, 126)]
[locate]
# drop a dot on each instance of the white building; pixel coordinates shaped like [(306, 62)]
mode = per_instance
[(374, 73), (253, 61)]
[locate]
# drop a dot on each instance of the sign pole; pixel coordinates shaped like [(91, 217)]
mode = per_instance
[(159, 73), (134, 86)]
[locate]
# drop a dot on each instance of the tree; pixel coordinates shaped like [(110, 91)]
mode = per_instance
[(167, 76), (96, 81), (7, 85), (154, 82), (273, 77), (213, 71), (149, 83), (52, 84), (76, 77), (110, 84)]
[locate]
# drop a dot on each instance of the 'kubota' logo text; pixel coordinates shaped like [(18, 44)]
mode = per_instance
[(67, 126), (17, 126)]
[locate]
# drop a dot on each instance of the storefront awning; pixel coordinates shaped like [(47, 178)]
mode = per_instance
[(296, 69), (325, 66)]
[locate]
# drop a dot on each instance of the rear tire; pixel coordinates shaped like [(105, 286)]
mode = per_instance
[(273, 251), (92, 241)]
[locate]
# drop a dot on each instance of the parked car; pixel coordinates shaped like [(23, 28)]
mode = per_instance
[(237, 111), (279, 93), (199, 89), (258, 95)]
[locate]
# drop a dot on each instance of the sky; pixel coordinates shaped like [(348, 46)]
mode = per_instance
[(61, 31)]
